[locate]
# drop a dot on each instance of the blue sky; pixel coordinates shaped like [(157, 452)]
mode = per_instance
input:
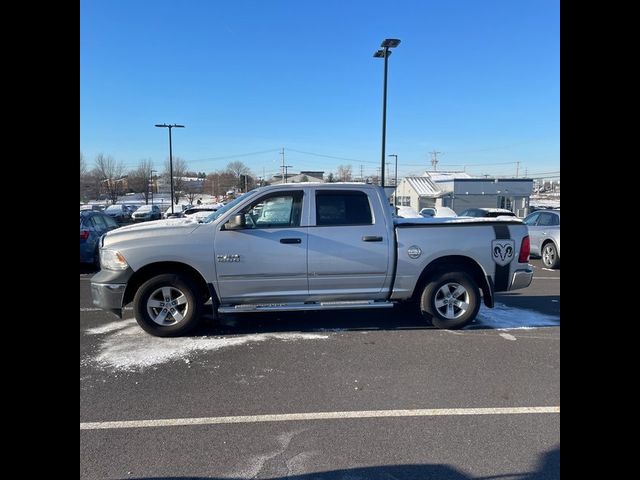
[(476, 80)]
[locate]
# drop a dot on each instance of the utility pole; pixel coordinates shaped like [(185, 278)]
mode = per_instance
[(395, 179), (284, 167), (361, 174), (434, 159), (285, 172), (517, 168)]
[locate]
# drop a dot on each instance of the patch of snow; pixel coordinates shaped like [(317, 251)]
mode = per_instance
[(503, 317), (130, 348)]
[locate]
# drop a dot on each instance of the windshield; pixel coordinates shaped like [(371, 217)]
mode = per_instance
[(225, 209)]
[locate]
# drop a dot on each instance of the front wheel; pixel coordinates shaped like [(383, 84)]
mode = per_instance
[(550, 256), (451, 299), (167, 305)]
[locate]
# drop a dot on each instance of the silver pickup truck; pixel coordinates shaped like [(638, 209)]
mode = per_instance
[(295, 247)]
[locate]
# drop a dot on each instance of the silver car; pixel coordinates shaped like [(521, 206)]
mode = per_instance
[(544, 233)]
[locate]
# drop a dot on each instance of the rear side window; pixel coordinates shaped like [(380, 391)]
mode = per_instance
[(531, 219), (109, 221), (548, 220), (342, 208), (98, 222)]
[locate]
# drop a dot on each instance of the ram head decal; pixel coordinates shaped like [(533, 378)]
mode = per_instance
[(502, 251)]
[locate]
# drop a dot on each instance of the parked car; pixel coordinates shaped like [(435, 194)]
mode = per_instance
[(93, 225), (199, 212), (146, 213), (544, 234), (119, 213), (429, 212), (178, 211), (486, 212), (132, 208), (93, 206)]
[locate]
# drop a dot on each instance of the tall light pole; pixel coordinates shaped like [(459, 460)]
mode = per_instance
[(384, 53), (170, 156)]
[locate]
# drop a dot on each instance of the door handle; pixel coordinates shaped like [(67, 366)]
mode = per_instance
[(290, 240), (371, 238)]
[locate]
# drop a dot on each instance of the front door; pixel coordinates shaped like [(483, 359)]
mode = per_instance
[(264, 261)]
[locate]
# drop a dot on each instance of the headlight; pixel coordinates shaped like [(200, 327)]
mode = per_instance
[(112, 260)]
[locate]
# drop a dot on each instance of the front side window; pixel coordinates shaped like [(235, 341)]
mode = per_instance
[(282, 209), (342, 208)]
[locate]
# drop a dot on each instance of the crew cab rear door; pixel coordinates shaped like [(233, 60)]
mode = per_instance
[(349, 253), (265, 259)]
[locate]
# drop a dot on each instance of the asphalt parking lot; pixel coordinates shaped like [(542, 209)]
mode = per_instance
[(339, 395)]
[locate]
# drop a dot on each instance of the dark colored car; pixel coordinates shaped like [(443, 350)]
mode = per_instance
[(486, 212), (120, 213), (92, 226), (147, 212)]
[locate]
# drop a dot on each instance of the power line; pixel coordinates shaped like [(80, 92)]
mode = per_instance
[(334, 157)]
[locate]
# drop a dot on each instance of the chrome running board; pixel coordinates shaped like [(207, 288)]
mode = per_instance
[(298, 307)]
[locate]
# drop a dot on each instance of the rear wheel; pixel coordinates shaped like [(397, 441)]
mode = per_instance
[(451, 299), (550, 256), (168, 305), (96, 256)]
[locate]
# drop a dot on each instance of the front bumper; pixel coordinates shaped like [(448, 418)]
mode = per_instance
[(107, 289), (522, 278)]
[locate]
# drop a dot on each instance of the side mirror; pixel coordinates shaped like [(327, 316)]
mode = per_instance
[(237, 222)]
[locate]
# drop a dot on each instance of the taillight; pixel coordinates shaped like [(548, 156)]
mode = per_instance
[(84, 234), (525, 250)]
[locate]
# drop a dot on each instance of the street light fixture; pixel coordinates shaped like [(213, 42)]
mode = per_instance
[(384, 53), (170, 156)]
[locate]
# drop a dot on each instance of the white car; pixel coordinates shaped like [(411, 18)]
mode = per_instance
[(200, 212), (437, 212)]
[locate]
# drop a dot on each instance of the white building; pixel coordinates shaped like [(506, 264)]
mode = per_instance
[(459, 191)]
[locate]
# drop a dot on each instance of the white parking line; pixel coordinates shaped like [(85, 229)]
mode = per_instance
[(95, 309), (430, 412)]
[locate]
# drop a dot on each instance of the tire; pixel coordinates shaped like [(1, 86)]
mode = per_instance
[(149, 305), (550, 256), (452, 300), (96, 257)]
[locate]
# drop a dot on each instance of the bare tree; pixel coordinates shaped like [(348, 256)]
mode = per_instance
[(238, 170), (110, 174), (219, 183), (193, 188), (344, 173), (179, 172), (83, 166), (139, 180)]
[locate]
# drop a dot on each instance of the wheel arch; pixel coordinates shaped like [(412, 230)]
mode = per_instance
[(453, 263), (159, 268), (549, 240)]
